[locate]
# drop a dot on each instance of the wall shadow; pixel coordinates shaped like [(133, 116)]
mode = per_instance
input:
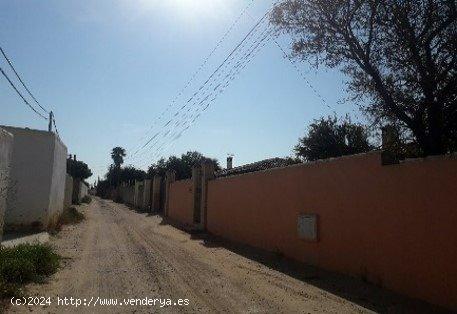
[(353, 289)]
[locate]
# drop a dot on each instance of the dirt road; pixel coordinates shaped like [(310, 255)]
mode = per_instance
[(118, 253)]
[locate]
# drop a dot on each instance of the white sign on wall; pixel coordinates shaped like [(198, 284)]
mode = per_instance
[(307, 227)]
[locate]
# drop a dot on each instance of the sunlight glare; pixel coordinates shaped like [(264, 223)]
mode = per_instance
[(188, 9)]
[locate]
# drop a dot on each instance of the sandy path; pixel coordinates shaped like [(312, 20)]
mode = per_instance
[(119, 253)]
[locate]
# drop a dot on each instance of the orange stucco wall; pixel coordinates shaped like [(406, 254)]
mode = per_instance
[(395, 225), (181, 202)]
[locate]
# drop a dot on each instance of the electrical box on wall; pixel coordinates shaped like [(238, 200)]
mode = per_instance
[(307, 227)]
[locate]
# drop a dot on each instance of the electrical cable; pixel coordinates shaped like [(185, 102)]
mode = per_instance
[(20, 95), (20, 80)]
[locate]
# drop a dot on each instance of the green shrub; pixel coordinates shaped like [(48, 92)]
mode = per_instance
[(9, 289), (25, 263), (17, 270), (71, 216)]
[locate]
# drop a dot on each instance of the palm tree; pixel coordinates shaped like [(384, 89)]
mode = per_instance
[(118, 154)]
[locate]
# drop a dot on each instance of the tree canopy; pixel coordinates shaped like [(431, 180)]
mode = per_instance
[(181, 165), (127, 174), (400, 57), (78, 169), (328, 137), (118, 154)]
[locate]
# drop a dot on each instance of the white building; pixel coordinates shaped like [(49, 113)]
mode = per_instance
[(37, 186)]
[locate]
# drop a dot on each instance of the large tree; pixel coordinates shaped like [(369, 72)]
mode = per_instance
[(400, 56), (78, 169), (118, 154), (181, 165), (329, 137), (128, 174)]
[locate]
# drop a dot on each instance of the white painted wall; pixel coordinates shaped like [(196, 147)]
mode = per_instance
[(38, 170), (58, 178), (83, 190), (68, 191), (6, 146)]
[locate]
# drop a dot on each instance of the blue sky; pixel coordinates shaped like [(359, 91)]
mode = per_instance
[(109, 68)]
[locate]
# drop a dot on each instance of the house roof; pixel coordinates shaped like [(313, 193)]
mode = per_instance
[(257, 166)]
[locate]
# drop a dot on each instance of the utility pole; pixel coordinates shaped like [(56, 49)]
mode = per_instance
[(51, 117)]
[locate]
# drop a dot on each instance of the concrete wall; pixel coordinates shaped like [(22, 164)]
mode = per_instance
[(6, 147), (58, 181), (139, 194), (393, 225), (68, 191), (80, 190), (83, 190), (180, 208), (38, 178), (127, 194), (147, 195)]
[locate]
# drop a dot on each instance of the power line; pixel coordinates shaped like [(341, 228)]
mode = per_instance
[(245, 59), (211, 76), (200, 68), (211, 82), (20, 95), (192, 119), (202, 106), (20, 80), (302, 75)]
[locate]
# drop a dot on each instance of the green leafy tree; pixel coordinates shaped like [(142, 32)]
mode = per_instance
[(130, 173), (118, 154), (113, 176), (78, 169), (332, 138), (181, 165), (400, 57)]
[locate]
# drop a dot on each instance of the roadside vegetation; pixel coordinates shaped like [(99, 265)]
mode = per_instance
[(78, 169), (398, 58), (71, 216), (23, 264), (117, 174), (86, 199)]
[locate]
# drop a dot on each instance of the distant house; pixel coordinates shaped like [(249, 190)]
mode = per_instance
[(256, 166), (37, 179)]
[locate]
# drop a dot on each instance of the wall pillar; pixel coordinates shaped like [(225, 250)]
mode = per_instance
[(197, 193), (136, 195), (75, 193), (207, 171), (170, 177), (147, 195), (6, 148), (156, 185), (390, 146)]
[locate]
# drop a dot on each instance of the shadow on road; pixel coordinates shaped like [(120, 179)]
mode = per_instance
[(356, 290)]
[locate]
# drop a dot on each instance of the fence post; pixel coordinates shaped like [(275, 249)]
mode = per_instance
[(207, 174), (170, 177)]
